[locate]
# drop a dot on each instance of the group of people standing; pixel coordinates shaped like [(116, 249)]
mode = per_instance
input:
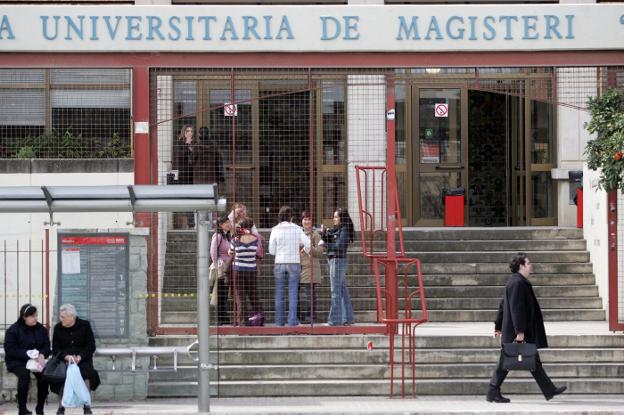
[(238, 248), (72, 340)]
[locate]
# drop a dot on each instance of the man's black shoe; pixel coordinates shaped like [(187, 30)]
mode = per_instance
[(496, 397), (558, 391)]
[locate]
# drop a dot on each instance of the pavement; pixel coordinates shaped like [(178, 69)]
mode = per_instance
[(520, 404)]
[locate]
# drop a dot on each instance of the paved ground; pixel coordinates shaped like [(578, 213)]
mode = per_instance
[(520, 404)]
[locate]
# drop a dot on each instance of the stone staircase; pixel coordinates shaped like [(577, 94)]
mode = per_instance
[(464, 274), (256, 366), (464, 271)]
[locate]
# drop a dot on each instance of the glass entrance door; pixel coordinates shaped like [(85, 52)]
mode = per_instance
[(440, 149), (232, 131)]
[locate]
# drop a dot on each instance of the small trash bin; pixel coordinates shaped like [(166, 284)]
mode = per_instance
[(454, 206), (576, 187)]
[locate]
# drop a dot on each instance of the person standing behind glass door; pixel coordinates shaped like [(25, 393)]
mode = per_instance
[(183, 160), (337, 240)]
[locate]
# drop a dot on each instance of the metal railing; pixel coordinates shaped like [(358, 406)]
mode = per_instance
[(136, 352)]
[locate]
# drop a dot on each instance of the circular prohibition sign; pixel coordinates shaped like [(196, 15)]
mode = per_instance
[(229, 110), (441, 110)]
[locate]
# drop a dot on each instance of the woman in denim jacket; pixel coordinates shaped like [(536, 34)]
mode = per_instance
[(336, 241)]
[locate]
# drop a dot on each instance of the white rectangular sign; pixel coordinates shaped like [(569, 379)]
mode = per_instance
[(340, 28)]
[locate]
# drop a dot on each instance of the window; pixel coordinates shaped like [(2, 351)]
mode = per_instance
[(65, 113)]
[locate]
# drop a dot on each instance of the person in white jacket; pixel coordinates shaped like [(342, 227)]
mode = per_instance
[(285, 243)]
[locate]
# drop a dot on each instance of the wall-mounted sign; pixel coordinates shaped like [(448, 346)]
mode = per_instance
[(93, 276), (313, 28), (230, 110), (441, 110)]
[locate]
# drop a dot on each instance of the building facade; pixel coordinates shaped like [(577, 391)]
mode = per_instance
[(488, 97)]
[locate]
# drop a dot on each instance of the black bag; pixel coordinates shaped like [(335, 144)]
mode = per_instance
[(519, 356), (55, 371)]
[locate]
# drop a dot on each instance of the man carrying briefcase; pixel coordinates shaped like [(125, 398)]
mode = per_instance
[(520, 320)]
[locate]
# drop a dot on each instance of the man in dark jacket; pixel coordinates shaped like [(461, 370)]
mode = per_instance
[(207, 161), (520, 319)]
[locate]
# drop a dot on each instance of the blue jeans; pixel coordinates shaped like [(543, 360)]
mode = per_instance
[(281, 272), (341, 309)]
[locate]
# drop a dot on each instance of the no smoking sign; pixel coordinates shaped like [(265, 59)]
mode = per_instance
[(441, 110), (230, 110)]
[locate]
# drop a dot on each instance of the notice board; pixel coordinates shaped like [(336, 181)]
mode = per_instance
[(93, 276)]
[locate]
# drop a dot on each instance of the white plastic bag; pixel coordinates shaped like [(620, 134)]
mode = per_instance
[(75, 392), (33, 364)]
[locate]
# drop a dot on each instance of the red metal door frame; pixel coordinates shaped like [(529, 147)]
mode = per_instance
[(614, 262)]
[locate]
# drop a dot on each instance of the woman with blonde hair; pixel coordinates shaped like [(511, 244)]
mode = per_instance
[(183, 160)]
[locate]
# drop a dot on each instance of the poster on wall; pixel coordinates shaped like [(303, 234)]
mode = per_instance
[(430, 152), (93, 276)]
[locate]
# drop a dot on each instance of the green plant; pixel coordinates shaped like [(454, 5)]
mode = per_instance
[(67, 145), (116, 148), (26, 152), (606, 152), (51, 144)]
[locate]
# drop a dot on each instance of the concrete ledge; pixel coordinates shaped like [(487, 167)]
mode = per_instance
[(30, 166)]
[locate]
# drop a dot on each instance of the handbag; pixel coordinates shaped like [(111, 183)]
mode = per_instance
[(55, 370), (214, 296), (519, 356)]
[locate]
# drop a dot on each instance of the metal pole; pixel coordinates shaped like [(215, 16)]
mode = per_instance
[(203, 312)]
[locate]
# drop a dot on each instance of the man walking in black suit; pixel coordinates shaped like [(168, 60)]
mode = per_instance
[(520, 319)]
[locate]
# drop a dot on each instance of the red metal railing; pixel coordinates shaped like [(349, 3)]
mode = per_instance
[(405, 320), (373, 180)]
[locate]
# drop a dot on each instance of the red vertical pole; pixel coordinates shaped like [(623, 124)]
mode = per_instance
[(5, 283), (30, 271), (47, 278), (311, 101), (42, 291), (612, 218), (233, 122), (17, 268), (142, 148), (140, 113), (391, 196), (145, 173)]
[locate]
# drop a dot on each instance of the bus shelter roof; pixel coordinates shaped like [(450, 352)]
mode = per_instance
[(131, 198)]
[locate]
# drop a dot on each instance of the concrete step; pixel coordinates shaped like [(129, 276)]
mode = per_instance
[(184, 269), (382, 371), (266, 292), (446, 303), (364, 317), (360, 341), (431, 356), (377, 387), (417, 234), (356, 257), (420, 246)]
